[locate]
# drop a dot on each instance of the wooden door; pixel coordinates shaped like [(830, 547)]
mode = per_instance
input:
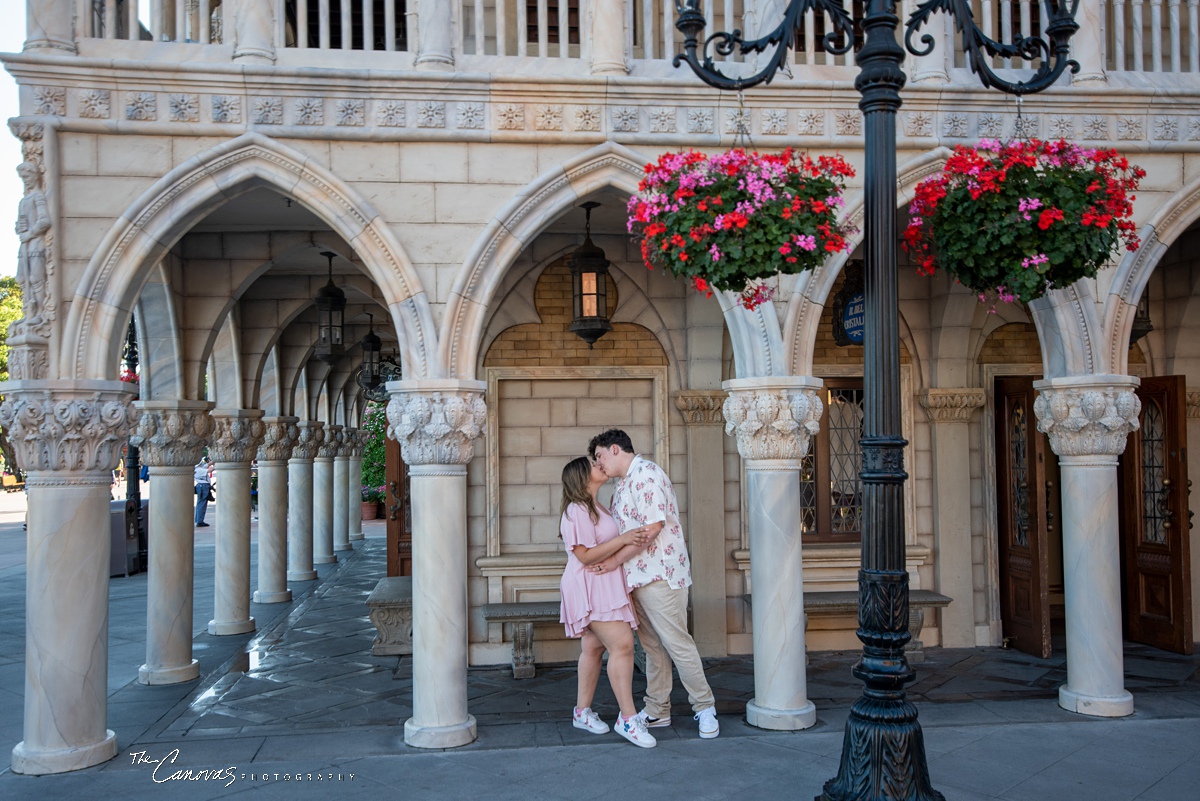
[(1155, 520), (398, 513), (1021, 499)]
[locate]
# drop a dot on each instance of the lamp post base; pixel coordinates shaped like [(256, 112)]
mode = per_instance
[(883, 755)]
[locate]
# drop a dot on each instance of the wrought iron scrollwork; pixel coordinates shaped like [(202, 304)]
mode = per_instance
[(726, 43)]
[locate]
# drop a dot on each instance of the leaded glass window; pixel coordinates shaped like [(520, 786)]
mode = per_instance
[(830, 489), (1153, 473)]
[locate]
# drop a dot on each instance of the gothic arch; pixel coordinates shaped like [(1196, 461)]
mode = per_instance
[(758, 346), (150, 227)]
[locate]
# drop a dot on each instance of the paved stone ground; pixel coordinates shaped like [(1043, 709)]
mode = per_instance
[(301, 710)]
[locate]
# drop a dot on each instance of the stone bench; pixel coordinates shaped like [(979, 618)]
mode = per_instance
[(522, 616), (831, 603), (390, 605)]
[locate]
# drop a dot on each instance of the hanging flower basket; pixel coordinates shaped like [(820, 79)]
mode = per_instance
[(732, 220), (1012, 221)]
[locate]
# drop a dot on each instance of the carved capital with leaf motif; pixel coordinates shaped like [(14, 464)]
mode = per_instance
[(436, 421), (773, 418)]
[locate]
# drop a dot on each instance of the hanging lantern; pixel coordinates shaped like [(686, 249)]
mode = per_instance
[(589, 286), (372, 347), (331, 309), (1141, 319)]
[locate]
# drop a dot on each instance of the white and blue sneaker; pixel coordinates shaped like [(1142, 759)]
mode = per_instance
[(633, 729)]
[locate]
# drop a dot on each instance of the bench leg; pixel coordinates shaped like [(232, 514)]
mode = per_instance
[(522, 658), (914, 651)]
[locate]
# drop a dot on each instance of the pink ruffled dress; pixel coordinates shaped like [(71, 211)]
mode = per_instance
[(588, 596)]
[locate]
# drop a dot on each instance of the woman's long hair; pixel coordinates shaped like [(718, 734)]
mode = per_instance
[(575, 478)]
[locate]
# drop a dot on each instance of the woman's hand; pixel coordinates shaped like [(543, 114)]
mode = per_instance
[(636, 536)]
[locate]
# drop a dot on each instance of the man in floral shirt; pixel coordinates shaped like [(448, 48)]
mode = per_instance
[(658, 576)]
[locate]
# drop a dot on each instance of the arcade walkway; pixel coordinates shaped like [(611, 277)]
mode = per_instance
[(304, 696)]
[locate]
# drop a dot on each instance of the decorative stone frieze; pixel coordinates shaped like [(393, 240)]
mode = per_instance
[(431, 114), (1062, 126), (268, 111), (548, 118), (770, 420), (183, 108), (172, 433), (848, 122), (1087, 419), (955, 124), (952, 405), (331, 443), (392, 113), (1130, 127), (95, 104), (1095, 126), (700, 120), (469, 116), (918, 123), (1193, 403), (309, 437), (351, 111), (75, 429), (1166, 128), (226, 108), (775, 121), (437, 422), (991, 125), (279, 437), (587, 118), (625, 119), (50, 100), (308, 111), (510, 117), (662, 120), (1027, 126), (701, 407), (812, 122), (236, 436), (141, 106), (737, 120)]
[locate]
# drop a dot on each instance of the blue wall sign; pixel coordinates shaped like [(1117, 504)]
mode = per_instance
[(854, 319)]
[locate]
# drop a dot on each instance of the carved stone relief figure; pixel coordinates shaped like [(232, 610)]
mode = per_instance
[(33, 226)]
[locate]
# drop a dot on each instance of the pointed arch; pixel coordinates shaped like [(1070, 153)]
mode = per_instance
[(184, 196), (756, 336)]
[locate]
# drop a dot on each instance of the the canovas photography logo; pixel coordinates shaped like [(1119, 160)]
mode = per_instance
[(164, 769)]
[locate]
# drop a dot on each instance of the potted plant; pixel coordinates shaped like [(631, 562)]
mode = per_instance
[(732, 220), (371, 498), (1014, 220)]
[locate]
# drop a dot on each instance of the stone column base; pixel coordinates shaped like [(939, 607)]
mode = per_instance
[(175, 675), (33, 762), (781, 719), (301, 575), (282, 597), (440, 736), (1117, 706), (346, 547), (324, 560), (358, 536), (221, 628)]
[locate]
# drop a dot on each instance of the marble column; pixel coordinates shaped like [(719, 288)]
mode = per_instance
[(171, 436), (341, 492), (701, 410), (49, 26), (235, 443), (1087, 45), (774, 420), (67, 437), (950, 413), (436, 423), (931, 68), (254, 33), (1087, 419), (354, 485), (279, 436), (322, 497), (309, 436), (435, 35), (608, 38)]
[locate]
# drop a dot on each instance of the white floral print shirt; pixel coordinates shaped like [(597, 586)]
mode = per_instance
[(645, 496)]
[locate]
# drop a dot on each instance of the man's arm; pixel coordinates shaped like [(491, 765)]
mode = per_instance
[(629, 551)]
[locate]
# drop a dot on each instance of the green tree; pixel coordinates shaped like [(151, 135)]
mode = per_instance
[(10, 312), (374, 460)]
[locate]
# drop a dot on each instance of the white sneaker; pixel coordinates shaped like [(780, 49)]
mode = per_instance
[(654, 723), (588, 720), (709, 728), (634, 730)]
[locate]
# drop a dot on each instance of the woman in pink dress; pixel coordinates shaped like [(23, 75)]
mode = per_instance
[(596, 606)]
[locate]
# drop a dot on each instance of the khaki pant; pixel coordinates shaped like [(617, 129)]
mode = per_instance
[(662, 629)]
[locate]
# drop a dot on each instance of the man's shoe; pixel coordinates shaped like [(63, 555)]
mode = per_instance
[(709, 728), (634, 730), (654, 723), (202, 525), (588, 720)]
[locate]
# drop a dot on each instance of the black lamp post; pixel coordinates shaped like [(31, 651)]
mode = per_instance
[(883, 753), (133, 468), (589, 286), (331, 309)]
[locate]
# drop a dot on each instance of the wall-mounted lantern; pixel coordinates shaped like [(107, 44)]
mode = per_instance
[(589, 286)]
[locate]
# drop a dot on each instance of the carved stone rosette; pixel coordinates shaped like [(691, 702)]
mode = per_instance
[(1089, 416), (701, 407), (236, 437), (349, 443), (279, 437), (172, 434), (952, 405), (772, 422), (332, 442), (75, 429), (309, 436), (437, 426)]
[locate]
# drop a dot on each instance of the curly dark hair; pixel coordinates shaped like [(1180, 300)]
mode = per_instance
[(613, 436)]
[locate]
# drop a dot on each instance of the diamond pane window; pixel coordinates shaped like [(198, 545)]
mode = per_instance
[(1153, 473), (1019, 473), (830, 489)]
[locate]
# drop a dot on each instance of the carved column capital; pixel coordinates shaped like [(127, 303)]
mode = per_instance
[(701, 407), (172, 433), (1088, 415), (349, 443), (236, 435), (67, 426), (279, 436), (773, 418), (309, 436), (952, 405), (436, 421), (332, 442)]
